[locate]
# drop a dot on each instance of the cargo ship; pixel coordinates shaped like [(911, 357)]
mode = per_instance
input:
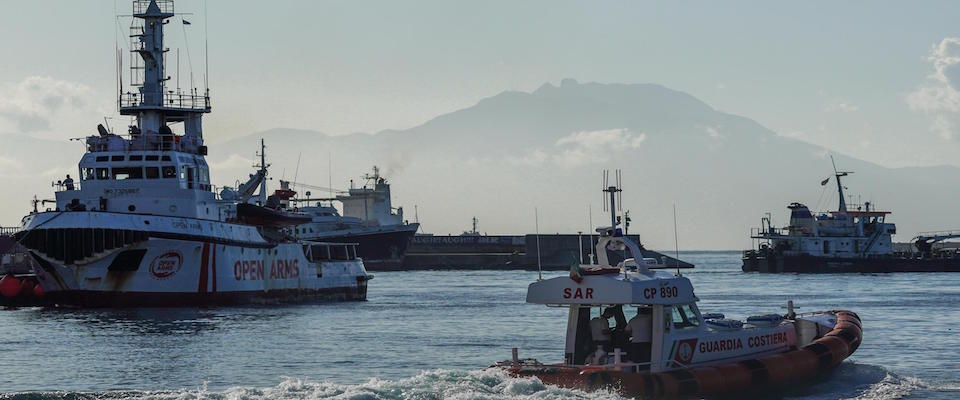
[(854, 238), (143, 226), (472, 250), (368, 219)]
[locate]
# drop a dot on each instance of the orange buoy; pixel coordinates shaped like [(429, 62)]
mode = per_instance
[(38, 291), (9, 286)]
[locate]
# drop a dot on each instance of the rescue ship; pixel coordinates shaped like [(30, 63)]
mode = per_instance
[(144, 226), (671, 349), (854, 238)]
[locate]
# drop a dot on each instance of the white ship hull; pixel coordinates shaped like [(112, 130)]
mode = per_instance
[(172, 265)]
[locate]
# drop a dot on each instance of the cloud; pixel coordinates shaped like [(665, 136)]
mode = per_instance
[(840, 105), (584, 147), (31, 105), (940, 98), (233, 162)]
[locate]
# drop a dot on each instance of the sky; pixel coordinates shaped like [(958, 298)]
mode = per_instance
[(863, 78)]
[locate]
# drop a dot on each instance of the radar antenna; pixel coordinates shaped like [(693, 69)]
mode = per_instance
[(613, 191)]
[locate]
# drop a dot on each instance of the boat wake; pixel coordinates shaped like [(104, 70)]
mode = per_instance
[(850, 381), (428, 385), (871, 382)]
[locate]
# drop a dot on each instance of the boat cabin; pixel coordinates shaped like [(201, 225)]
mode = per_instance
[(644, 317), (666, 301)]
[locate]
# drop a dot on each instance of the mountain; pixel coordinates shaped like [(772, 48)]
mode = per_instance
[(511, 153)]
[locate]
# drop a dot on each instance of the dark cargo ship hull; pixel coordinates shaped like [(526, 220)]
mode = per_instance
[(382, 250), (810, 264), (511, 252)]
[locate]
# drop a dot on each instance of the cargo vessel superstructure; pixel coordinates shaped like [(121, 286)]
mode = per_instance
[(854, 238)]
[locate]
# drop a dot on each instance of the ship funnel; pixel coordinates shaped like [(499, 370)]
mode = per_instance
[(802, 221)]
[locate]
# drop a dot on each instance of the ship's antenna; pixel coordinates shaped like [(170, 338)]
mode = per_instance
[(613, 192), (676, 240), (296, 172), (329, 169), (590, 218), (619, 193), (536, 221), (206, 50), (186, 43)]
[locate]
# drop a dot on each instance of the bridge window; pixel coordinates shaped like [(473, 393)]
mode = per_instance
[(116, 158), (152, 172), (103, 173), (136, 158), (123, 173), (684, 317), (153, 158), (88, 174), (102, 158), (165, 158), (169, 172)]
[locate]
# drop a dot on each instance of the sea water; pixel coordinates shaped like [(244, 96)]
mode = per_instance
[(431, 335)]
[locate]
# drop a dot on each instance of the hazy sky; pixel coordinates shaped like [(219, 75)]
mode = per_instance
[(864, 78)]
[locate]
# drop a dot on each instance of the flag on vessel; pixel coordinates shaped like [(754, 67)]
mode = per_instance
[(824, 182)]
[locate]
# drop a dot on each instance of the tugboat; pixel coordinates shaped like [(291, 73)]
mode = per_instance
[(670, 349), (368, 219), (855, 238), (143, 226)]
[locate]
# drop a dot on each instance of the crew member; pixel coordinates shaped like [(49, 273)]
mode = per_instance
[(600, 329), (68, 183), (640, 329)]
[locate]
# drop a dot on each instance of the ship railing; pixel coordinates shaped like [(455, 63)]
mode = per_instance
[(178, 99), (146, 142), (938, 234), (9, 230), (140, 6)]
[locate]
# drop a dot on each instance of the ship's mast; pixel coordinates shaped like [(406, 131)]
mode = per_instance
[(263, 172), (613, 191), (153, 105), (838, 174)]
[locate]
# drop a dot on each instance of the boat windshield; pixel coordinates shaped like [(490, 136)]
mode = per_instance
[(684, 317)]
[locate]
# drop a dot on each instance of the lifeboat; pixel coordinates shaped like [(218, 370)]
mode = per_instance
[(670, 349)]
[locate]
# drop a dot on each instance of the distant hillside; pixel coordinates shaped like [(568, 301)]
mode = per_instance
[(515, 151), (509, 153)]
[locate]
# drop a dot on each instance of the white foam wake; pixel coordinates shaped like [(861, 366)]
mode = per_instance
[(428, 385)]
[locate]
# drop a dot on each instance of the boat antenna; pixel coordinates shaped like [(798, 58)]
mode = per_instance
[(614, 192), (206, 50), (296, 171), (536, 222), (676, 240), (590, 218)]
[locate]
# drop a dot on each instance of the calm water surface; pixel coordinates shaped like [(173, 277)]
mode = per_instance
[(429, 335)]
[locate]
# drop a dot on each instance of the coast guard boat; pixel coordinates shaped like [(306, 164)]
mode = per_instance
[(677, 352), (143, 225), (854, 238)]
